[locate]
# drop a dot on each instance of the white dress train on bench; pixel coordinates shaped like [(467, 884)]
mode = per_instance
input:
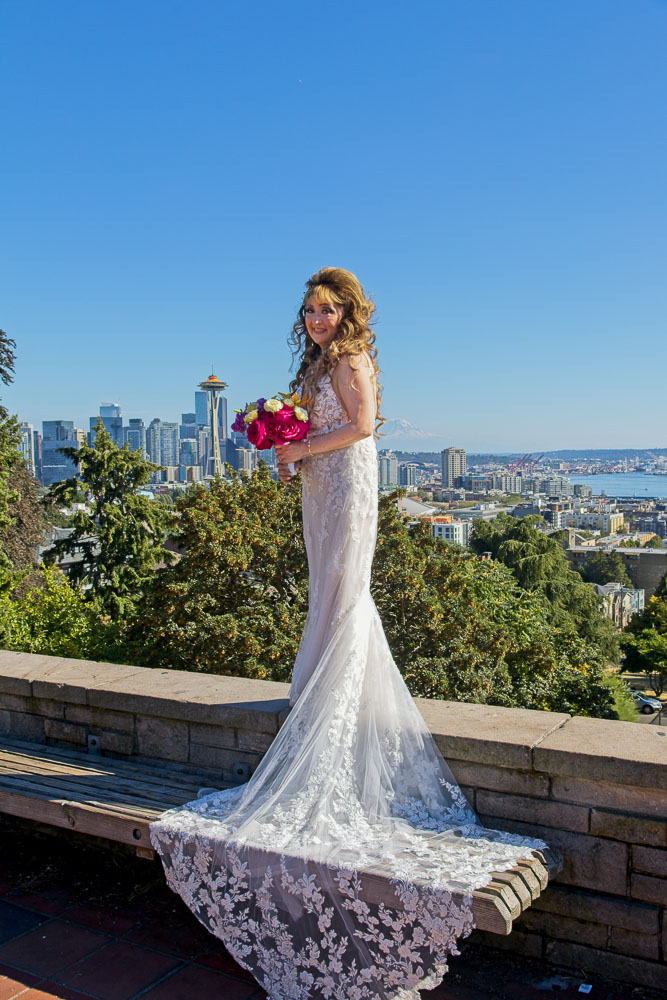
[(280, 869)]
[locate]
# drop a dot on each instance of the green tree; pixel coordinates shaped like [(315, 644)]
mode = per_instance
[(26, 525), (540, 565), (645, 642), (236, 601), (605, 567), (654, 543), (120, 532), (7, 362), (461, 628), (624, 704), (21, 518), (52, 618), (9, 496)]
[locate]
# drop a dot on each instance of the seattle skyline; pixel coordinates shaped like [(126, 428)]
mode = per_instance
[(492, 171)]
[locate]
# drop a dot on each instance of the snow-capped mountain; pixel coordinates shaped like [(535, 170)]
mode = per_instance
[(401, 435)]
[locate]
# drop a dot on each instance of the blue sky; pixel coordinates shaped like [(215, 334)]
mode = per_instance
[(492, 170)]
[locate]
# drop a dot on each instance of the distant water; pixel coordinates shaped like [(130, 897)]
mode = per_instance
[(626, 484)]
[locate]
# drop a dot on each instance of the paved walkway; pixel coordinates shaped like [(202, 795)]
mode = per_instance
[(78, 922)]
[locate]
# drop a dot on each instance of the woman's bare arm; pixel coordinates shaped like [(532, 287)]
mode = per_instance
[(356, 391)]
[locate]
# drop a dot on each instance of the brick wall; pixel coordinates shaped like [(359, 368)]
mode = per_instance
[(596, 790)]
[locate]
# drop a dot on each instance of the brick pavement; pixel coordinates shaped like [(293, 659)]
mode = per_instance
[(81, 922)]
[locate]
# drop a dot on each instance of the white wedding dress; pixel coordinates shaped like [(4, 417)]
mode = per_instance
[(281, 868)]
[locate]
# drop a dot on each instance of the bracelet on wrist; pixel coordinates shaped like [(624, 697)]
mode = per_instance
[(310, 451)]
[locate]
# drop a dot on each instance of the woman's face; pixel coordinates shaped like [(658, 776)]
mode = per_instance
[(322, 321)]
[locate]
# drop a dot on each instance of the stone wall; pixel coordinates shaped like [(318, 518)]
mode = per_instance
[(596, 790)]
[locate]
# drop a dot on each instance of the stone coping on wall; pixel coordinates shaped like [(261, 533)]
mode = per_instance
[(551, 742)]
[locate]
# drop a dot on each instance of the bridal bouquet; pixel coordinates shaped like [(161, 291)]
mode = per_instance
[(275, 421)]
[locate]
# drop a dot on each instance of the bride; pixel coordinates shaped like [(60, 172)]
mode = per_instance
[(345, 867)]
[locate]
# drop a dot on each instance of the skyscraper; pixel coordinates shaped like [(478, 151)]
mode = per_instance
[(187, 451), (188, 426), (162, 442), (153, 441), (27, 447), (453, 465), (113, 422), (407, 474), (388, 469), (134, 435), (169, 443), (57, 434), (201, 408)]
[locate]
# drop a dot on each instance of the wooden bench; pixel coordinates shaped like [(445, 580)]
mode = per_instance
[(118, 799)]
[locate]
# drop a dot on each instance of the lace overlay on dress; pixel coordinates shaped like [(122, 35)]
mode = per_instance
[(353, 784)]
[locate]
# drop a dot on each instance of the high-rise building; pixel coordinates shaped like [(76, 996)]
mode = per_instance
[(134, 435), (187, 453), (407, 474), (162, 442), (112, 419), (168, 443), (246, 460), (555, 486), (27, 447), (508, 482), (201, 408), (153, 441), (37, 438), (57, 434), (188, 426), (453, 465), (202, 413), (388, 469)]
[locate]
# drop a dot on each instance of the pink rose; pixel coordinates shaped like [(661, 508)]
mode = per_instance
[(283, 417), (288, 432), (257, 433)]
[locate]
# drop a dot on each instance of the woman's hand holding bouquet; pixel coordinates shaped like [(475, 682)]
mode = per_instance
[(279, 422)]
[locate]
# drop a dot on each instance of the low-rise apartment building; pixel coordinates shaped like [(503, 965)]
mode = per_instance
[(607, 523)]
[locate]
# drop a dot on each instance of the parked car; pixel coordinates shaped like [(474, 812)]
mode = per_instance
[(646, 703)]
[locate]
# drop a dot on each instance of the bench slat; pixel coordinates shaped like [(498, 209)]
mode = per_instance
[(517, 885), (77, 816), (47, 793), (153, 773), (97, 788)]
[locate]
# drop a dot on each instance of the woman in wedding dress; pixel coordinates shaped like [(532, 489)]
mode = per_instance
[(345, 867)]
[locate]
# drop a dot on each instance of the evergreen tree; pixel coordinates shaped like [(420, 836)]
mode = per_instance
[(22, 521), (539, 564), (120, 532), (9, 496), (25, 528), (605, 567), (7, 362), (235, 602)]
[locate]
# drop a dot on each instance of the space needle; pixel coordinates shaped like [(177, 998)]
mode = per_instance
[(215, 387)]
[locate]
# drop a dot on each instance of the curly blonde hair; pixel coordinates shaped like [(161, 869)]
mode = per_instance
[(354, 336)]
